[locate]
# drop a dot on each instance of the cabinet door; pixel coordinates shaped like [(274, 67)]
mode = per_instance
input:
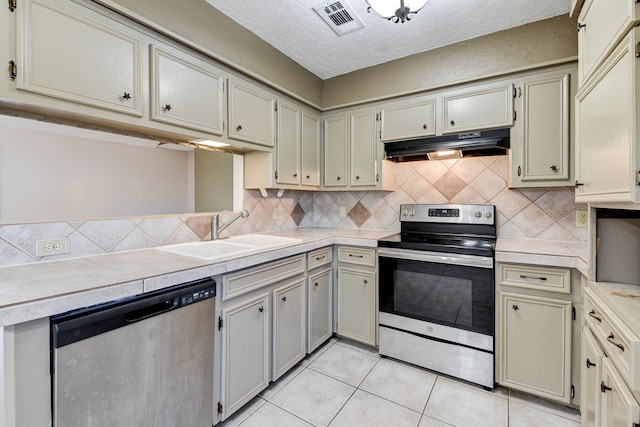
[(335, 151), (607, 129), (246, 349), (310, 149), (601, 25), (186, 91), (619, 407), (536, 345), (319, 309), (590, 373), (357, 308), (363, 149), (72, 53), (408, 119), (251, 114), (289, 326), (540, 140), (490, 107), (288, 148)]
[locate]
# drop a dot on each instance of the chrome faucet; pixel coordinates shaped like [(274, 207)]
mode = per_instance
[(216, 228)]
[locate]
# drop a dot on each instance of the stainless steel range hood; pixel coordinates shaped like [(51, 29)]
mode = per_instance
[(479, 143)]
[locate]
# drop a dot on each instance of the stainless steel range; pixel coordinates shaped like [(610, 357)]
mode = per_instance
[(437, 290)]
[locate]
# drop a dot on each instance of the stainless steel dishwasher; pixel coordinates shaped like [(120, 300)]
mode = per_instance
[(140, 361)]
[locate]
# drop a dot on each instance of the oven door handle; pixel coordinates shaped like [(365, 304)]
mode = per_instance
[(465, 260)]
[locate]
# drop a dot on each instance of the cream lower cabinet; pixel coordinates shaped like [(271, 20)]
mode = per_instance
[(607, 155), (590, 374), (536, 345), (246, 349), (619, 406), (542, 142), (70, 52), (320, 308), (357, 294), (289, 326)]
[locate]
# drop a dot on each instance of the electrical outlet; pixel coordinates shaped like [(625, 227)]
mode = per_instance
[(53, 247), (277, 213), (582, 219), (343, 211)]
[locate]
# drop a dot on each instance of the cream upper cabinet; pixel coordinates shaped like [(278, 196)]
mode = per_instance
[(607, 155), (484, 107), (288, 144), (70, 52), (364, 140), (541, 139), (536, 345), (336, 151), (310, 149), (408, 119), (601, 25), (186, 91), (251, 113)]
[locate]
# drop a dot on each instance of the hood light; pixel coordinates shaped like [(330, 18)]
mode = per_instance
[(209, 143), (445, 155)]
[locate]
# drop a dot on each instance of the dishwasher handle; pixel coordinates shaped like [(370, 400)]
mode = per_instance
[(152, 310)]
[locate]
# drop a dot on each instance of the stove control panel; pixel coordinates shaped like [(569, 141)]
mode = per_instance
[(464, 214)]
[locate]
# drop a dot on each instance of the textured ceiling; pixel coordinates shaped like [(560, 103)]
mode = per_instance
[(294, 28)]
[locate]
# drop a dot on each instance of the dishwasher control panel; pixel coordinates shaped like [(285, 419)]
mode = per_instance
[(197, 296)]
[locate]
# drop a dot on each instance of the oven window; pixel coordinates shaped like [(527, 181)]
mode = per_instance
[(451, 295)]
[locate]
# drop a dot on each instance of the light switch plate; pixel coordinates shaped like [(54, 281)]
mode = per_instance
[(343, 211)]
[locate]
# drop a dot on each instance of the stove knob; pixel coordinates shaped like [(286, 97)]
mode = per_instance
[(478, 214), (487, 214)]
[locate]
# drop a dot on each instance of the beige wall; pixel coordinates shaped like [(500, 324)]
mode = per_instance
[(197, 21), (501, 52)]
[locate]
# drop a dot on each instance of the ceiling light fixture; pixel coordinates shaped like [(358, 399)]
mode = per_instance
[(397, 10)]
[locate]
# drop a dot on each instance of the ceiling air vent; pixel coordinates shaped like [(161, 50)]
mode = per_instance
[(339, 16)]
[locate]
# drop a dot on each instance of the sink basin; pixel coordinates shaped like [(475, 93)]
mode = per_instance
[(262, 241), (207, 251)]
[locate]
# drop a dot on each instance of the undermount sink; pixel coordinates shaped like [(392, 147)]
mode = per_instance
[(210, 250)]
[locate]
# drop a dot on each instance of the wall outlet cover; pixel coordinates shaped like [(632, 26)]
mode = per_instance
[(343, 211), (582, 219), (50, 247)]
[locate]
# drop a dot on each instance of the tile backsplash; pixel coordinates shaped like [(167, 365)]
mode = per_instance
[(537, 213)]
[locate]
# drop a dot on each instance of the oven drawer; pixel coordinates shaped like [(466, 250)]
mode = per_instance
[(620, 344), (541, 278), (319, 257), (360, 256)]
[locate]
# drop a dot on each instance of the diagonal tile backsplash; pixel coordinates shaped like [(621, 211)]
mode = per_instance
[(537, 213)]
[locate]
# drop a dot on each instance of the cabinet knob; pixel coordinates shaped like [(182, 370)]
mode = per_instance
[(338, 178), (126, 96), (284, 299), (295, 175), (579, 26), (424, 126), (167, 107), (515, 307), (604, 388), (308, 176), (261, 309), (452, 122), (315, 284), (357, 177), (554, 168), (365, 281), (239, 128), (590, 363)]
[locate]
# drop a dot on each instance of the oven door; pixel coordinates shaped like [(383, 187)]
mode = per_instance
[(456, 291)]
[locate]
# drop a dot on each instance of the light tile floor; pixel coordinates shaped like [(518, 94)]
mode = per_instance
[(343, 384)]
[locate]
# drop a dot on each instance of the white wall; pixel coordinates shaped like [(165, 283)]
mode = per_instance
[(51, 172)]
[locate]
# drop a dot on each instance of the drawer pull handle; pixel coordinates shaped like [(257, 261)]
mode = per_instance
[(604, 388), (590, 363), (592, 313), (611, 338), (318, 258), (355, 256), (524, 276)]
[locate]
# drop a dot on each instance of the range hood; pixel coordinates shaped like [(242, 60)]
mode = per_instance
[(479, 143)]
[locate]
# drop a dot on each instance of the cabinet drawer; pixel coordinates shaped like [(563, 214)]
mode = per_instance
[(245, 281), (620, 344), (360, 256), (547, 279), (319, 258)]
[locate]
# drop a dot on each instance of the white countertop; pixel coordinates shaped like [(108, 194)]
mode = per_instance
[(36, 290), (623, 299), (544, 252)]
